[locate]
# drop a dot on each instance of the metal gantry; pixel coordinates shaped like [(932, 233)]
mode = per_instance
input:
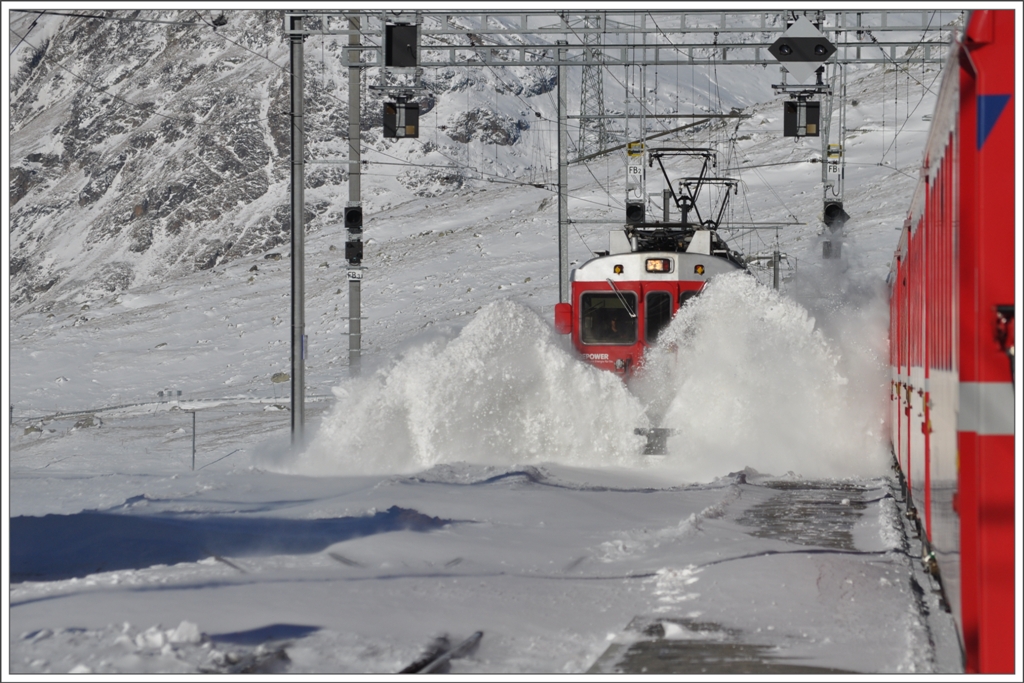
[(565, 39), (528, 37), (592, 136)]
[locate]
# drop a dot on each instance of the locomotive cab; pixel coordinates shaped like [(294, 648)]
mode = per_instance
[(620, 303), (621, 300)]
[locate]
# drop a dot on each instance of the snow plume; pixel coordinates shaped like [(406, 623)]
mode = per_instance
[(746, 378), (503, 391), (744, 375)]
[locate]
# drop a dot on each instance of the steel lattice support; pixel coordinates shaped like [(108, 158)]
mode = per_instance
[(594, 41), (664, 37), (593, 137)]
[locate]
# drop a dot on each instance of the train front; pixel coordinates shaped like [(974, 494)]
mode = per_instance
[(622, 301)]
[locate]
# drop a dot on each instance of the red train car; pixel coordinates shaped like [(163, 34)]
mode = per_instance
[(952, 342), (620, 302), (622, 299)]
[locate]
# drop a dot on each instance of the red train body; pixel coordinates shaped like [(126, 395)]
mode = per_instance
[(621, 302), (952, 339)]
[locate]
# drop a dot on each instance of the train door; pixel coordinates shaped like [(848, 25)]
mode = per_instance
[(658, 312)]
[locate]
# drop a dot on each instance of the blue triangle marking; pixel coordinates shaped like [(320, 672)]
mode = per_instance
[(989, 109)]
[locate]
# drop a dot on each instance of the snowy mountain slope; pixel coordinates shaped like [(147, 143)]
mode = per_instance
[(143, 150), (551, 549), (434, 260)]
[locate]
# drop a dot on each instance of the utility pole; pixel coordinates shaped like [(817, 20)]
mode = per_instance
[(354, 244), (298, 239), (563, 174)]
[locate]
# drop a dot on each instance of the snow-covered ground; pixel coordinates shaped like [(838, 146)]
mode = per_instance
[(478, 476)]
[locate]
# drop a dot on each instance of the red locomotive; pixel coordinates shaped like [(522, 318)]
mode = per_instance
[(952, 342), (623, 298)]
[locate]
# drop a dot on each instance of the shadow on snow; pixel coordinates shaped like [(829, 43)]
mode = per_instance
[(56, 547)]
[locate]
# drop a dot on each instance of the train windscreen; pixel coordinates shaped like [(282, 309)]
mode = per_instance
[(605, 320), (657, 314), (687, 295)]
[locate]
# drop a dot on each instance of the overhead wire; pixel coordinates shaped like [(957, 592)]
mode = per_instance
[(640, 101), (907, 120), (132, 104), (626, 88), (31, 26), (111, 18), (227, 39), (896, 64), (571, 142)]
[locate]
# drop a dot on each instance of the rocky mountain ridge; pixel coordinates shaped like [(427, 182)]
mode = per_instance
[(142, 150)]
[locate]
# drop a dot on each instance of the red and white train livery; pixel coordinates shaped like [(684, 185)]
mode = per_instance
[(622, 301), (952, 340)]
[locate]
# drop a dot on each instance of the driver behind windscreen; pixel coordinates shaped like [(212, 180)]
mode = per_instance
[(619, 329)]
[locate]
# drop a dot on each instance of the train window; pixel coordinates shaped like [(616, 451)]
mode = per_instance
[(686, 296), (657, 314), (604, 320)]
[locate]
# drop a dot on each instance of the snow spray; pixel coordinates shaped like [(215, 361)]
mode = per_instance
[(746, 378), (504, 391)]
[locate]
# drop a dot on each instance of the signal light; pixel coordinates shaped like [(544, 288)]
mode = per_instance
[(634, 213), (800, 118), (354, 252), (354, 218), (699, 269), (401, 119), (563, 318), (401, 45), (802, 49), (834, 216)]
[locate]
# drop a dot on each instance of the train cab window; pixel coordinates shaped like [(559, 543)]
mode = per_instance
[(604, 319), (657, 314), (686, 296)]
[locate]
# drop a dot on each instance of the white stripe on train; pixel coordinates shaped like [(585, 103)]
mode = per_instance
[(986, 408)]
